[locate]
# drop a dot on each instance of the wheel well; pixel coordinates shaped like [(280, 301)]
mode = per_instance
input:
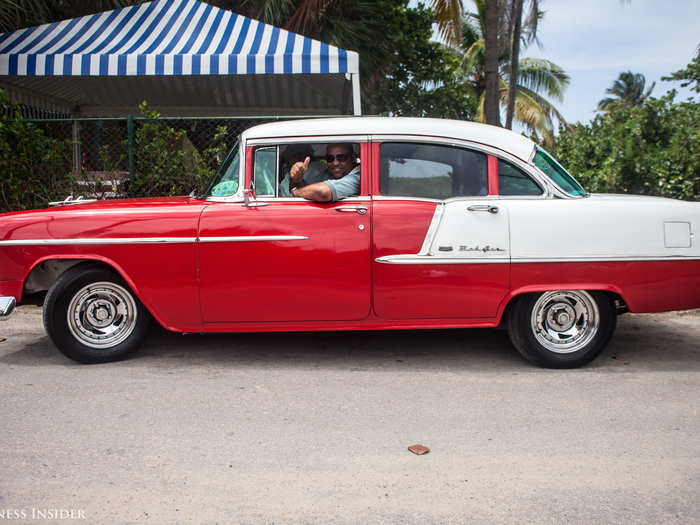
[(616, 298), (44, 274)]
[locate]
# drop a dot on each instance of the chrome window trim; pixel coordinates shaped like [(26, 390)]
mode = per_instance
[(412, 199), (307, 139), (365, 198)]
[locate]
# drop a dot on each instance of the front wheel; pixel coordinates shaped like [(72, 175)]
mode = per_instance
[(92, 316), (563, 328)]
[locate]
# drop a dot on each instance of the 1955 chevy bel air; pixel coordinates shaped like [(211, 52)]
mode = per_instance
[(455, 225)]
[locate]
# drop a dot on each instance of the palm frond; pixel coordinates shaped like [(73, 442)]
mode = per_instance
[(448, 16), (473, 58), (308, 12), (539, 75), (274, 12)]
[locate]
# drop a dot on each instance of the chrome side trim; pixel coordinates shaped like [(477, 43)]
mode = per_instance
[(151, 240), (122, 240), (431, 259), (253, 238), (658, 258)]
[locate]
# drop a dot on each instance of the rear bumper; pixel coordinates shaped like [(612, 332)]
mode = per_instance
[(7, 305)]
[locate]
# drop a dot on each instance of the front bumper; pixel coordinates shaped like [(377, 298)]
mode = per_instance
[(7, 304)]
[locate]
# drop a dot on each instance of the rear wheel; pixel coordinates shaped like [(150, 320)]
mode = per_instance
[(92, 316), (563, 328)]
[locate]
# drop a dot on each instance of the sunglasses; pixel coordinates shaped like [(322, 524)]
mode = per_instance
[(341, 157)]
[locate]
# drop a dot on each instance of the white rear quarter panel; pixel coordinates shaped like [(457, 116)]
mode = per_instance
[(603, 227)]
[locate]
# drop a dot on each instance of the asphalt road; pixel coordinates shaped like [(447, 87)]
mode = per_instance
[(314, 428)]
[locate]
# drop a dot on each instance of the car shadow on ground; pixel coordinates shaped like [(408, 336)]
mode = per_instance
[(640, 343)]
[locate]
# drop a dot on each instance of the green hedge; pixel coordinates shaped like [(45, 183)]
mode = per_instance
[(32, 165), (653, 149)]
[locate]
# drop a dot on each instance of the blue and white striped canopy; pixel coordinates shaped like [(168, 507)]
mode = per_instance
[(166, 37)]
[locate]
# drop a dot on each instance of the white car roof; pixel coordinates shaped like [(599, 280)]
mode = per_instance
[(494, 136)]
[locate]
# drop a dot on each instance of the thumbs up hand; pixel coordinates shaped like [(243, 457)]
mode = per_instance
[(297, 171)]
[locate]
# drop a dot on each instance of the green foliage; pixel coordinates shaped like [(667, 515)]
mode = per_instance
[(32, 164), (421, 79), (167, 163), (650, 149), (690, 75)]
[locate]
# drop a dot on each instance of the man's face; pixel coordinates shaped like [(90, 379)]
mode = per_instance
[(343, 160)]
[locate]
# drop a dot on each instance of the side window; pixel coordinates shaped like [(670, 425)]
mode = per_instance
[(327, 162), (265, 172), (431, 171), (513, 181)]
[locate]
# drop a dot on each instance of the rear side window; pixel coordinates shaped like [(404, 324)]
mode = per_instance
[(431, 171), (513, 181)]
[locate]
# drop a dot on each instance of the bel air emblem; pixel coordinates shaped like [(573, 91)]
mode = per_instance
[(477, 248)]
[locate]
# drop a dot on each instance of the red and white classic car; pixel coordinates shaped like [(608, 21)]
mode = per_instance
[(455, 225)]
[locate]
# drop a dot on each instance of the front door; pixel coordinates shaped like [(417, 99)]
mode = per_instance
[(285, 260)]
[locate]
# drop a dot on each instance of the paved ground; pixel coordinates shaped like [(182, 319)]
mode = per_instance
[(313, 428)]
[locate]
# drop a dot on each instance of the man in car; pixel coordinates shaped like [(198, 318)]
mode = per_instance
[(341, 178)]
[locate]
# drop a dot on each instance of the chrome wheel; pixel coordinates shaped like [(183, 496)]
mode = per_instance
[(565, 321), (102, 315)]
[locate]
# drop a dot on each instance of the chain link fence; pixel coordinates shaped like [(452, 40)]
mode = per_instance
[(137, 156)]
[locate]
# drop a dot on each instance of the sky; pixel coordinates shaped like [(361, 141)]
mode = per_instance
[(595, 40)]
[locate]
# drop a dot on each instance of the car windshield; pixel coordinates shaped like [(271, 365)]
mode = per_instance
[(557, 173), (225, 182)]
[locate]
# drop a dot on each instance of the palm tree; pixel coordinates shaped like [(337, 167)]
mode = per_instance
[(628, 91), (517, 29), (537, 79)]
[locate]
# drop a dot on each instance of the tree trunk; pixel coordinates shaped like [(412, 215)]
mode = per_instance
[(491, 23), (517, 18)]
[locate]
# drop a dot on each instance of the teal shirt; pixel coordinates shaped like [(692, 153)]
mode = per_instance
[(346, 186)]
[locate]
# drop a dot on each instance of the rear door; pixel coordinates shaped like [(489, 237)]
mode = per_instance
[(440, 233)]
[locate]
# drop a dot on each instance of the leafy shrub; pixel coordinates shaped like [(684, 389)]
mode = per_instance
[(167, 163), (651, 150), (32, 165)]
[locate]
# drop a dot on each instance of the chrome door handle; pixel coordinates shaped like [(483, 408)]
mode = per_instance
[(483, 207), (357, 209)]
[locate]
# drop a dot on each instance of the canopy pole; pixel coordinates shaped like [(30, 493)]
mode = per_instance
[(356, 105)]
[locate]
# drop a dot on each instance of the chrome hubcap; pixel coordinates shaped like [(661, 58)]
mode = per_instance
[(565, 321), (101, 315)]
